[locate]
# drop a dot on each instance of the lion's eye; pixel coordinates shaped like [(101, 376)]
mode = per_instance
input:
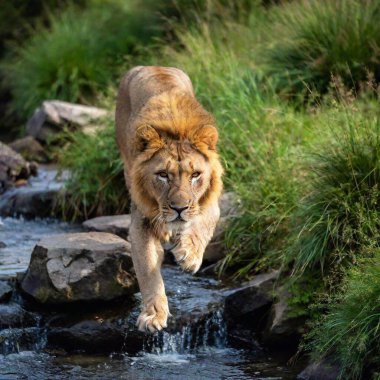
[(163, 174), (195, 175)]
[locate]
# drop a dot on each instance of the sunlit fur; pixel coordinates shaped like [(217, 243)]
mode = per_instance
[(168, 143)]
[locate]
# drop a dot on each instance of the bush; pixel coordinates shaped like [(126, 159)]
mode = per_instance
[(78, 56), (339, 220), (351, 329), (311, 40)]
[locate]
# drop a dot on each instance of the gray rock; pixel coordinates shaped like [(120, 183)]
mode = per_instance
[(29, 148), (97, 331), (53, 115), (118, 224), (230, 205), (283, 328), (323, 370), (13, 167), (248, 303), (230, 208), (5, 291), (93, 266), (13, 315), (37, 199), (216, 249)]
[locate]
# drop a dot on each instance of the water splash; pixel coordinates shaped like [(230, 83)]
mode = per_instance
[(191, 339)]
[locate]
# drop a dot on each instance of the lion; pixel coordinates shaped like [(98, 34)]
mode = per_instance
[(167, 142)]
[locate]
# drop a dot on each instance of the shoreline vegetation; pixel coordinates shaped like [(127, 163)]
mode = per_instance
[(294, 89)]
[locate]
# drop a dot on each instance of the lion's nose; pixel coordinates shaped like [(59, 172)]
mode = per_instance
[(178, 208)]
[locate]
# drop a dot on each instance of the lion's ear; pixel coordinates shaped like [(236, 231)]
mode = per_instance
[(148, 137), (205, 137)]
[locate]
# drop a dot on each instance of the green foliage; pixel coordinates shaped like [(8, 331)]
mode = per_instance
[(312, 39), (351, 329), (339, 220), (77, 57), (96, 186), (304, 291)]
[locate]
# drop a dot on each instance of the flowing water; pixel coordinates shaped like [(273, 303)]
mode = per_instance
[(200, 352)]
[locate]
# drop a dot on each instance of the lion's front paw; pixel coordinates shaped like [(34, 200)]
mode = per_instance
[(154, 315), (188, 258)]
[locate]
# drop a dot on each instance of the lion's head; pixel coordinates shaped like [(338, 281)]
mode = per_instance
[(177, 171)]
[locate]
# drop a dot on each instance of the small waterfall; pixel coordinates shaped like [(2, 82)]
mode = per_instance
[(211, 332)]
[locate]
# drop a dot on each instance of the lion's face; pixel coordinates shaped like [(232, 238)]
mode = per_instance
[(174, 178), (177, 177)]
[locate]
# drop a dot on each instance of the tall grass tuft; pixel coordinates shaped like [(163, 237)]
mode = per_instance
[(351, 329), (339, 220), (312, 39)]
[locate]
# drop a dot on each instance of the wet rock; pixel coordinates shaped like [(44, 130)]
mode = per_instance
[(29, 148), (94, 336), (93, 266), (5, 291), (37, 199), (13, 315), (14, 340), (249, 303), (283, 329), (323, 370), (117, 224), (13, 167), (53, 115), (2, 244)]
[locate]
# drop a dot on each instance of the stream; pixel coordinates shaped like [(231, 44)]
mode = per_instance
[(195, 346)]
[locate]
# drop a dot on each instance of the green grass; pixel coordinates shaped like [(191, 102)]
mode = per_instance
[(312, 39), (78, 56), (96, 186), (350, 332), (339, 219)]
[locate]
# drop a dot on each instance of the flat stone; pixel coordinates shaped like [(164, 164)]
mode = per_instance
[(92, 266), (53, 115), (117, 224)]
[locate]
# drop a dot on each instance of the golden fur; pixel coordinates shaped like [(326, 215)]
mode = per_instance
[(167, 142)]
